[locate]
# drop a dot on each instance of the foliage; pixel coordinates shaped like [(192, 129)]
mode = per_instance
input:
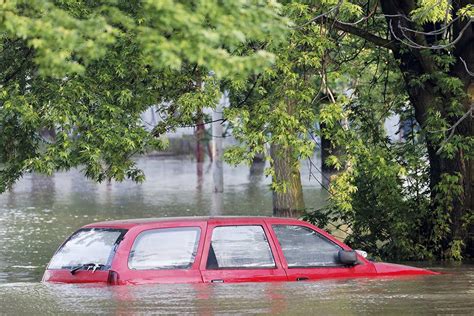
[(380, 198), (76, 75)]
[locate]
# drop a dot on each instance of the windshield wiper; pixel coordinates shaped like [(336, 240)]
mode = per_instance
[(87, 266)]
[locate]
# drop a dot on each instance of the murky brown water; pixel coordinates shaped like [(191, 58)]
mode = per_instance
[(40, 212)]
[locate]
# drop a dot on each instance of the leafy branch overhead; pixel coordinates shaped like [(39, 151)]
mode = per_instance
[(75, 76)]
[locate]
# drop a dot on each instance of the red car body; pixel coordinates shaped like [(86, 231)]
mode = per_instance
[(119, 272)]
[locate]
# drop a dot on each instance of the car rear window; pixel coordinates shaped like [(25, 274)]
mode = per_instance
[(303, 247), (87, 246), (239, 247), (165, 248)]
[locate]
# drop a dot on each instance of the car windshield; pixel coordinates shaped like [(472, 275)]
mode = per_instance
[(90, 246)]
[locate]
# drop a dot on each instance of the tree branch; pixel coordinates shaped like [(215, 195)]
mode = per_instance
[(374, 39)]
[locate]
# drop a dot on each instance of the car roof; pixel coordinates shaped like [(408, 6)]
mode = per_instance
[(129, 223)]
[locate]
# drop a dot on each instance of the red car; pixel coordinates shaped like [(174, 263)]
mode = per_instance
[(209, 249)]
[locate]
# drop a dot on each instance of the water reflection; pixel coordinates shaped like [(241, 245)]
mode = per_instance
[(43, 189), (424, 295), (199, 176), (217, 204)]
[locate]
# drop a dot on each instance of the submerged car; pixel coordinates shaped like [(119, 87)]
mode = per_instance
[(209, 250)]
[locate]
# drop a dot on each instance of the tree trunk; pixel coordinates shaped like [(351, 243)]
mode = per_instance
[(200, 130), (460, 228), (469, 182), (289, 203)]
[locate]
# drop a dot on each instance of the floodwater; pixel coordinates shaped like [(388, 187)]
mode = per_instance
[(40, 212)]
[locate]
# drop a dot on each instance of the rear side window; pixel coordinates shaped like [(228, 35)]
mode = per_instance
[(239, 247), (303, 247), (87, 246), (165, 248)]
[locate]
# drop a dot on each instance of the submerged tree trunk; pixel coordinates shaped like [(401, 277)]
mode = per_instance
[(287, 203), (460, 206)]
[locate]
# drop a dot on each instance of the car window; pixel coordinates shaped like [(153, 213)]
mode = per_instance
[(165, 248), (303, 247), (87, 246), (239, 247)]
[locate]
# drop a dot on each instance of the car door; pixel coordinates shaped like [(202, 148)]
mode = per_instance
[(166, 253), (309, 254), (240, 251)]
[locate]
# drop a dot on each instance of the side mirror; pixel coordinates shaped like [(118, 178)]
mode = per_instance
[(347, 257)]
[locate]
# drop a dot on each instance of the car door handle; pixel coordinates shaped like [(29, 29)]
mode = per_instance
[(217, 281), (302, 278)]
